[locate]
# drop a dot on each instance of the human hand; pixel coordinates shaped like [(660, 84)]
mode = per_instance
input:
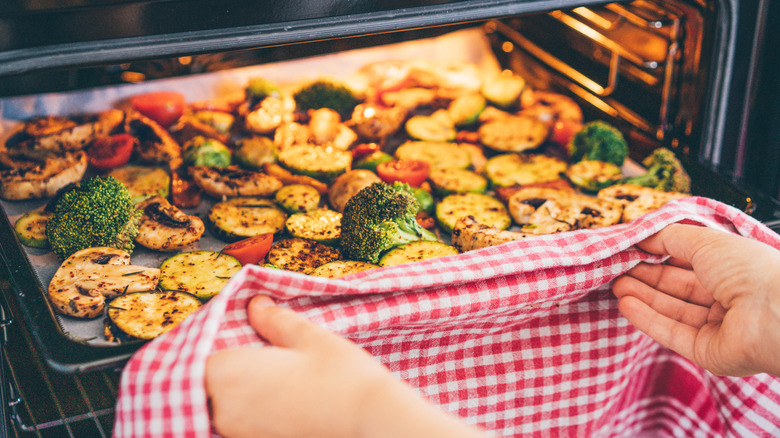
[(313, 383), (716, 301)]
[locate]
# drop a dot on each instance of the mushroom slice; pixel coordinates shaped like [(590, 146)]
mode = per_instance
[(232, 181), (87, 278), (166, 228), (155, 144), (545, 211), (523, 203), (596, 213), (638, 200), (31, 180), (468, 234), (58, 135), (553, 216), (648, 202)]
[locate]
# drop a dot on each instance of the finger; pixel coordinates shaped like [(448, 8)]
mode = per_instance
[(677, 282), (672, 334), (280, 326), (667, 305)]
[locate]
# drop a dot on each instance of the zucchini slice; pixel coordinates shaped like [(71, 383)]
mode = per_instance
[(321, 225), (298, 198), (31, 229), (301, 255), (341, 268), (200, 273), (319, 162), (147, 315), (510, 169), (486, 210), (437, 154), (253, 152), (503, 89), (592, 175), (143, 181), (448, 181), (429, 128), (239, 218), (416, 252), (513, 134), (465, 110)]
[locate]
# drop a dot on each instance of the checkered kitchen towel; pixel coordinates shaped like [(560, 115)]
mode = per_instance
[(522, 339)]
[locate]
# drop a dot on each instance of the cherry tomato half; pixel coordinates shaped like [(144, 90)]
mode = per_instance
[(107, 153), (164, 107), (563, 131), (412, 172), (251, 250), (364, 149)]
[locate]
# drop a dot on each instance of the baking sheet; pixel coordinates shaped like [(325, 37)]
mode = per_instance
[(469, 45)]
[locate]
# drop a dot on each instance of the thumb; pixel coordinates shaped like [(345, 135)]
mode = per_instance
[(280, 326)]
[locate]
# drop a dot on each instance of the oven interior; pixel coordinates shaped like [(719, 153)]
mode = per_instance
[(655, 69)]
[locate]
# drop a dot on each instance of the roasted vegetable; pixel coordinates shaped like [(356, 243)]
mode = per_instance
[(378, 218), (664, 172), (326, 94), (593, 175), (88, 277), (416, 252), (31, 229), (202, 151), (258, 89), (99, 211), (301, 255), (200, 273), (598, 140)]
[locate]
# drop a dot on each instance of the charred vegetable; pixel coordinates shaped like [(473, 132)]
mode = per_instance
[(99, 211), (598, 140), (378, 218)]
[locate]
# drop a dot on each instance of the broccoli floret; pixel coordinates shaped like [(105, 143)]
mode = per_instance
[(324, 94), (98, 211), (664, 172), (378, 218), (599, 141), (258, 89)]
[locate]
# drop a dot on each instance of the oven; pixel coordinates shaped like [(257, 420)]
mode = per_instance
[(692, 75)]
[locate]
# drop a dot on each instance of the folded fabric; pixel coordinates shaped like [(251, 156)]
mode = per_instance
[(523, 339)]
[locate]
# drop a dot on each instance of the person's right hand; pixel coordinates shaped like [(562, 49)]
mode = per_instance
[(716, 301)]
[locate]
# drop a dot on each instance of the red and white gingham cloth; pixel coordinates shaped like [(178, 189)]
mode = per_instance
[(522, 339)]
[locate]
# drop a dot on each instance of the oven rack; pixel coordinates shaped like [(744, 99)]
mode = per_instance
[(39, 402)]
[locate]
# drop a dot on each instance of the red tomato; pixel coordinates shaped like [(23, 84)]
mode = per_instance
[(164, 107), (106, 153), (563, 131), (412, 172), (364, 149), (251, 250)]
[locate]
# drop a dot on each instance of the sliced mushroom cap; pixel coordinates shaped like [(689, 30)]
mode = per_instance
[(70, 137), (232, 181), (524, 202), (468, 234), (155, 144), (87, 278), (32, 180), (346, 185), (648, 202), (166, 228)]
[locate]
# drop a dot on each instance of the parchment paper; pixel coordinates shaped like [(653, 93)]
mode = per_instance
[(468, 45)]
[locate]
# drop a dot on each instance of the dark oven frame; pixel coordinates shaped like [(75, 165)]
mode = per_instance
[(736, 153)]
